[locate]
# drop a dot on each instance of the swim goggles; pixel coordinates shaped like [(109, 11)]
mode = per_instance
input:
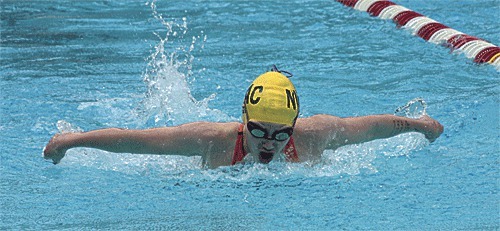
[(258, 131)]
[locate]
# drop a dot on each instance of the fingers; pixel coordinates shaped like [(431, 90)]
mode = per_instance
[(434, 128), (51, 156), (437, 130), (51, 151)]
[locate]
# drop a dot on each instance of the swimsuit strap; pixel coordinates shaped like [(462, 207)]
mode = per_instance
[(290, 151), (239, 152)]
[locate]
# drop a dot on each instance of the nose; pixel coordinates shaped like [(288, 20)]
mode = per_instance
[(268, 144)]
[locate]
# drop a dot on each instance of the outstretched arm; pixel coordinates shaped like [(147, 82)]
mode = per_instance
[(367, 128), (187, 139)]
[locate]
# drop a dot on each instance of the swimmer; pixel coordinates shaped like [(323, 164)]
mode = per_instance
[(270, 130)]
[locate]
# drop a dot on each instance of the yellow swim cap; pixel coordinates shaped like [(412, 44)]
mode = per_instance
[(271, 98)]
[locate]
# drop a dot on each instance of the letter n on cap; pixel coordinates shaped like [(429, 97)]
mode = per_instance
[(291, 99)]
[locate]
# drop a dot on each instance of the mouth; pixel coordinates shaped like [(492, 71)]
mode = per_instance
[(265, 157)]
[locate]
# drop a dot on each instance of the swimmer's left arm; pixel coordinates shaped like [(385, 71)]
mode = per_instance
[(367, 128), (355, 130)]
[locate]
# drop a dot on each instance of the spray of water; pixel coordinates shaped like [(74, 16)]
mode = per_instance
[(169, 75), (415, 108)]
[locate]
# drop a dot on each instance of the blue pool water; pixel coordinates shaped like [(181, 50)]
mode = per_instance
[(70, 66)]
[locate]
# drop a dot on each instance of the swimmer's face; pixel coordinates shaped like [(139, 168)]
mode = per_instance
[(265, 140)]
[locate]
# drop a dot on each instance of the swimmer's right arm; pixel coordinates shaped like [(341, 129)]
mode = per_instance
[(187, 139)]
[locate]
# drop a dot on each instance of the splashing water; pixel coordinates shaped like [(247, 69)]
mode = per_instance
[(65, 127), (168, 76), (414, 109)]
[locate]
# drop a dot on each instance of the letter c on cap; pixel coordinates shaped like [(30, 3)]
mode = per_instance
[(256, 99)]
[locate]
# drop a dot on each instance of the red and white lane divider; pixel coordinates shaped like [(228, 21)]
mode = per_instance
[(430, 30)]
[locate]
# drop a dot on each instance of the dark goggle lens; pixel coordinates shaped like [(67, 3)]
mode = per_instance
[(259, 132), (282, 136)]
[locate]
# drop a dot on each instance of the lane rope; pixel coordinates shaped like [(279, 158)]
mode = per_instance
[(477, 49)]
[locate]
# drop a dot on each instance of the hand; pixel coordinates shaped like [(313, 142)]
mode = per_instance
[(433, 129), (53, 149)]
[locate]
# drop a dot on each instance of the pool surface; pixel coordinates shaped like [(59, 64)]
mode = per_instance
[(77, 66)]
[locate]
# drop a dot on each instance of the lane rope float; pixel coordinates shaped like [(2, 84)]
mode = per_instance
[(477, 49)]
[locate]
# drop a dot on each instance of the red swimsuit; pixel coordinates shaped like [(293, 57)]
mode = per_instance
[(239, 152)]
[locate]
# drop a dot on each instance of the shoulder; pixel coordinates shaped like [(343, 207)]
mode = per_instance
[(210, 129), (202, 131), (223, 129), (318, 130), (313, 135), (318, 123), (217, 141)]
